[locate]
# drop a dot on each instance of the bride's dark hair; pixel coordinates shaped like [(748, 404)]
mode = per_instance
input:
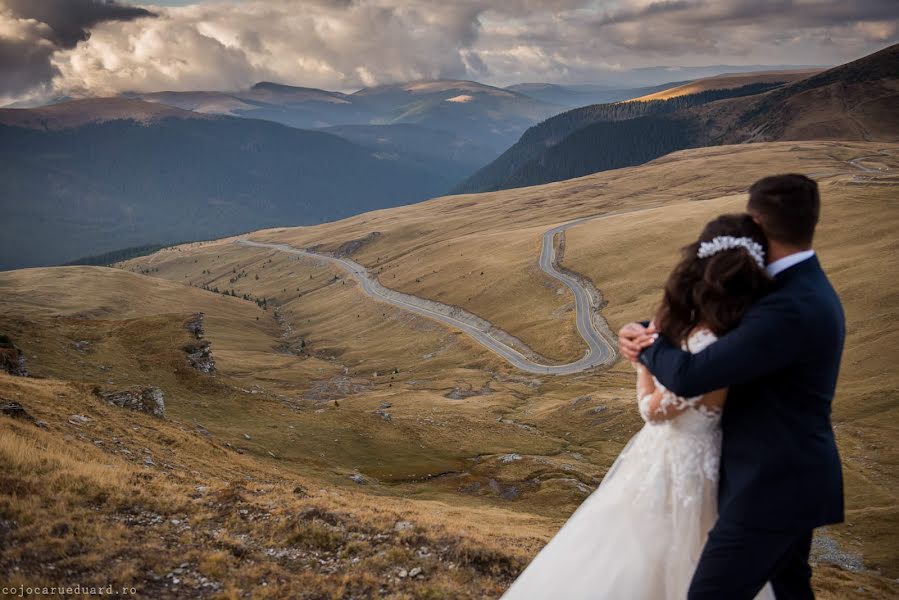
[(714, 291)]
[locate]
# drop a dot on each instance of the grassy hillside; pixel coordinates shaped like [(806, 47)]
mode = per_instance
[(726, 81), (585, 94), (331, 388), (849, 102), (534, 159)]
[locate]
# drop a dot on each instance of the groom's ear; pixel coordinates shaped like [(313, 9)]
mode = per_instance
[(755, 217)]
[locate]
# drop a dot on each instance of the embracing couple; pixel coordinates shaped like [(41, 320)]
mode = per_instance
[(717, 496)]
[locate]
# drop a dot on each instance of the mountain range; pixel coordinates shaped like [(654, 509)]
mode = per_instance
[(855, 101), (101, 175), (489, 116), (91, 176)]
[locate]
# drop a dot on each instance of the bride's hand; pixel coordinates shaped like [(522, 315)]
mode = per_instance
[(633, 338)]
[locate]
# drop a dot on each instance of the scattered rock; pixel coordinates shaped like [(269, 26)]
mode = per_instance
[(458, 393), (415, 572), (246, 436), (402, 526), (82, 345), (146, 399), (403, 573), (335, 388), (79, 420), (358, 478), (383, 414), (385, 405), (509, 458), (580, 400), (598, 409), (506, 492), (825, 549), (12, 359), (15, 410)]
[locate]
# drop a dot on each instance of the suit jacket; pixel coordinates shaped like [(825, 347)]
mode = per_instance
[(780, 469)]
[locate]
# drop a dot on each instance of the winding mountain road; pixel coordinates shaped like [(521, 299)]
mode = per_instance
[(600, 345), (599, 348)]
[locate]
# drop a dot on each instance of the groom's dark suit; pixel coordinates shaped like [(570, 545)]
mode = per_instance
[(780, 470)]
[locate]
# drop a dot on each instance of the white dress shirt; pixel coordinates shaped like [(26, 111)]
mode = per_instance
[(782, 264)]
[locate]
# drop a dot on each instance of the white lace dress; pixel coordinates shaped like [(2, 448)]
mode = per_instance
[(640, 534)]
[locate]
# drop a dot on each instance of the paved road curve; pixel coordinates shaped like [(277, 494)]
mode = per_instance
[(599, 350)]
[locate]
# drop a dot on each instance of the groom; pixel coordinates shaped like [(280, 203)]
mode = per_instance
[(780, 471)]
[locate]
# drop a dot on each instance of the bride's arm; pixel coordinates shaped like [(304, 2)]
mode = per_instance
[(657, 404)]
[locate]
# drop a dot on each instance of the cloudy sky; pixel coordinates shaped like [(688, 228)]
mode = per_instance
[(101, 47)]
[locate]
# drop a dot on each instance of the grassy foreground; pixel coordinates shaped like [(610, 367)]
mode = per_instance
[(341, 444)]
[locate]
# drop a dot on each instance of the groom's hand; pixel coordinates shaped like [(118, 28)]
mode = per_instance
[(633, 338)]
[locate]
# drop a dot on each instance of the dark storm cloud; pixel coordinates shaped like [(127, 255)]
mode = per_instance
[(31, 31), (71, 20)]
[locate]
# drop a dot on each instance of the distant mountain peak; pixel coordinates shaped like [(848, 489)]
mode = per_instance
[(283, 87), (436, 86), (269, 90), (76, 113)]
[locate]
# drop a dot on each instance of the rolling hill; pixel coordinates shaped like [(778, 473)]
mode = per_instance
[(305, 108), (346, 447), (91, 176), (850, 102)]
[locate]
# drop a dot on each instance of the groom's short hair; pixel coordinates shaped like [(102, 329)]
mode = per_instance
[(787, 206)]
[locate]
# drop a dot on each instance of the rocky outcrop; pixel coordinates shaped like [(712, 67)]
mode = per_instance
[(15, 410), (458, 393), (352, 246), (12, 359), (146, 399), (199, 355), (195, 325)]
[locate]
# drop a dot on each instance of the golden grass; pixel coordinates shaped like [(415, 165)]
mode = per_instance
[(78, 505), (307, 396), (727, 81)]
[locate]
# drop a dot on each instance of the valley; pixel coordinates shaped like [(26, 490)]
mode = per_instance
[(414, 444)]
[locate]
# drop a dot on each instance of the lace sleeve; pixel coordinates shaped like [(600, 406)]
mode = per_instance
[(656, 403), (660, 404)]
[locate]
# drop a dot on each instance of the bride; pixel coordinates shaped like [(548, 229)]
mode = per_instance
[(640, 534)]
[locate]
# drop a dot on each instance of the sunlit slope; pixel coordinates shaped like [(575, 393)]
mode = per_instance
[(727, 81)]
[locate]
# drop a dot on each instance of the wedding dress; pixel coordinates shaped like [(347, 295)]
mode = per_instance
[(640, 534)]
